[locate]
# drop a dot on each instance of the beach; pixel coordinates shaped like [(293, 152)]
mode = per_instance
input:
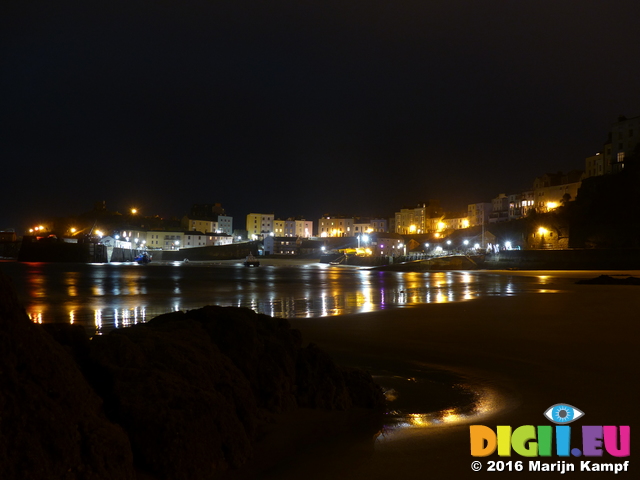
[(578, 346)]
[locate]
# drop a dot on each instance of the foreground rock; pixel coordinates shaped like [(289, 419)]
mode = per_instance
[(51, 421), (194, 390)]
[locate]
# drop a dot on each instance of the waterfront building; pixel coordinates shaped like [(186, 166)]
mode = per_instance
[(199, 224), (219, 239), (279, 227), (386, 244), (225, 225), (259, 225), (170, 240), (362, 226), (478, 213), (212, 224), (335, 226), (455, 221), (194, 239), (418, 219), (624, 137), (520, 204), (594, 165), (380, 225), (298, 227), (552, 190), (274, 245), (621, 143), (208, 218), (8, 236), (499, 209)]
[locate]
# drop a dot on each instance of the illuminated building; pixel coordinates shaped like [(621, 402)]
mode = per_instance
[(335, 226), (259, 224), (552, 190)]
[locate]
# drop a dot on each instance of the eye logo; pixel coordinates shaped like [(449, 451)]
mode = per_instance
[(562, 413)]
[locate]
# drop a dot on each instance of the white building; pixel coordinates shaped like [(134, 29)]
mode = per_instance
[(219, 239), (194, 239)]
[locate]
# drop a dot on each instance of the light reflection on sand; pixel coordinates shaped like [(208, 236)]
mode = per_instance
[(399, 425)]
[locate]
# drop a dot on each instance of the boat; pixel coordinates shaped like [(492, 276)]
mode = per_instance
[(251, 261), (143, 258)]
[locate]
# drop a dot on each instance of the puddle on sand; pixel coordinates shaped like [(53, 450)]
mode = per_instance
[(435, 400)]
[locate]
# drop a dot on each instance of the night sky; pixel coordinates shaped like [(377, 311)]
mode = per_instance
[(303, 107)]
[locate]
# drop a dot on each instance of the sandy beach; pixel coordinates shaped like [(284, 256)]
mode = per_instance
[(575, 344)]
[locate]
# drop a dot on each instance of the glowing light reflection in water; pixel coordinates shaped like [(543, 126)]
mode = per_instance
[(110, 296)]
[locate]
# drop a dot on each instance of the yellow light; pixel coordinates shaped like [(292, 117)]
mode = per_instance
[(542, 231), (134, 211), (465, 223), (437, 235), (31, 230), (412, 228), (552, 205), (41, 227), (441, 225), (73, 230)]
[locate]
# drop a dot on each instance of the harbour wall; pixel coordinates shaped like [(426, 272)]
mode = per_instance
[(623, 259), (54, 251), (50, 251), (209, 253), (9, 249)]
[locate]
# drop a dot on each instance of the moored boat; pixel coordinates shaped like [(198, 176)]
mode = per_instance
[(251, 261), (143, 258)]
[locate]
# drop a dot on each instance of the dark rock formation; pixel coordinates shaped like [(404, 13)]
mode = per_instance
[(193, 391), (51, 421), (262, 347), (187, 408), (608, 280), (320, 381)]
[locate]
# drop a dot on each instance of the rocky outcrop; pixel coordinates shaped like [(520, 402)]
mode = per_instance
[(192, 391), (609, 280), (51, 422), (187, 408)]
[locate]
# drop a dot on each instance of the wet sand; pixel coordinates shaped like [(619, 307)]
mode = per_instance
[(577, 345)]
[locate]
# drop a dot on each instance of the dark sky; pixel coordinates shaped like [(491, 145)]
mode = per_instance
[(303, 107)]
